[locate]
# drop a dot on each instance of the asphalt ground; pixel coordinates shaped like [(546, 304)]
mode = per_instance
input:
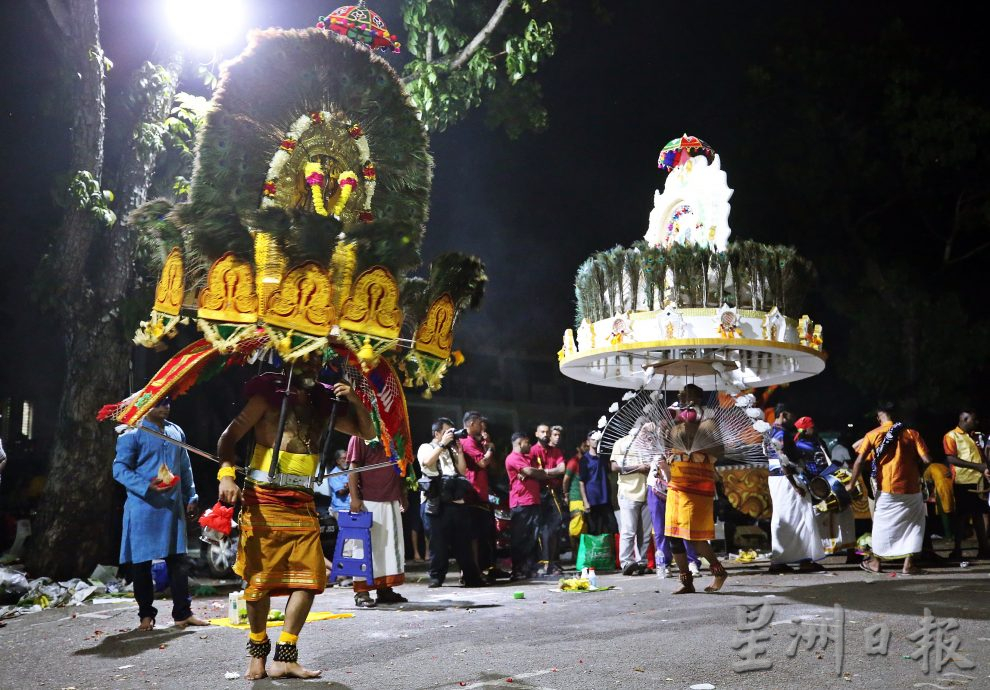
[(634, 636)]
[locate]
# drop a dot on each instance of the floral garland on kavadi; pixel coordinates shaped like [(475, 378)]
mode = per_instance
[(346, 181)]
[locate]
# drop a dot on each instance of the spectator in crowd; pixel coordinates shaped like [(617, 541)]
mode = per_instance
[(524, 502), (897, 454), (840, 451), (444, 468), (478, 454), (599, 518), (382, 493), (941, 501), (631, 468), (964, 454), (412, 522), (548, 456), (333, 496), (572, 489), (155, 512)]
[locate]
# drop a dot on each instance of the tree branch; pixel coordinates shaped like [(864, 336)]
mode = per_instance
[(429, 47), (471, 48), (972, 252)]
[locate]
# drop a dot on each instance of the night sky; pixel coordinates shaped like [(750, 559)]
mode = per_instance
[(535, 208)]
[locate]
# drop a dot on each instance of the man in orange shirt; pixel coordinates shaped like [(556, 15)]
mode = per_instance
[(963, 453), (898, 455)]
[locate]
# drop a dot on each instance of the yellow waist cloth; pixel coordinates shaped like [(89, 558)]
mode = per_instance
[(288, 463)]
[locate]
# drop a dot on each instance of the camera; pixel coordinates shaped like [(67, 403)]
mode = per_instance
[(458, 433)]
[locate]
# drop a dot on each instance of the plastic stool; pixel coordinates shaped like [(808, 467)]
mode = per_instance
[(353, 527)]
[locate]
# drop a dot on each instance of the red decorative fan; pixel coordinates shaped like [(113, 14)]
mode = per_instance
[(359, 23)]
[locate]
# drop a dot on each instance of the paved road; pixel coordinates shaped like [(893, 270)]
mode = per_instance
[(636, 636)]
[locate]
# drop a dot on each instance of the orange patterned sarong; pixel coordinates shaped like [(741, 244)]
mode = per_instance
[(691, 501), (279, 549)]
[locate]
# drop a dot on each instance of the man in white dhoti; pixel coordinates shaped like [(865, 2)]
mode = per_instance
[(382, 493), (794, 533), (898, 455)]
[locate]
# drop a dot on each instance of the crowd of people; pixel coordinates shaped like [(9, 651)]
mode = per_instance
[(665, 497)]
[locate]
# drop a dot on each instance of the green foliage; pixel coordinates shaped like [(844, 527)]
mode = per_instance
[(96, 54), (187, 116), (84, 191), (448, 77), (635, 279), (150, 86)]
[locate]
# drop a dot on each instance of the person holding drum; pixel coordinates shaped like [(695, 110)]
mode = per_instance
[(833, 512), (794, 533)]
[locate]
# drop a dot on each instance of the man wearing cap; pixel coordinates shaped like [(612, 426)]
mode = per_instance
[(794, 533), (160, 493), (898, 455), (838, 529)]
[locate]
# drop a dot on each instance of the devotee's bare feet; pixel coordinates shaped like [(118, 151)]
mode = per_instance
[(870, 565), (147, 623), (256, 669), (281, 669), (687, 584), (192, 620), (719, 575)]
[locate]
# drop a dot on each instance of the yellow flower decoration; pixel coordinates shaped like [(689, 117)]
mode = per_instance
[(314, 178)]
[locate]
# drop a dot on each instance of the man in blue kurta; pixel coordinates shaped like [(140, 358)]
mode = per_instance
[(155, 513)]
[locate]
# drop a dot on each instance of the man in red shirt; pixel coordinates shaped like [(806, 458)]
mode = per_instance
[(382, 493), (524, 502), (547, 455), (478, 454)]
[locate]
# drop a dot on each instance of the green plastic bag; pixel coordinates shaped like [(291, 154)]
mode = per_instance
[(595, 551)]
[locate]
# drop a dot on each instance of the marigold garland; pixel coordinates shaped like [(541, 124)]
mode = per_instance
[(314, 178), (345, 185)]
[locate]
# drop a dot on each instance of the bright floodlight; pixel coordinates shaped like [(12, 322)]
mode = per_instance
[(206, 23)]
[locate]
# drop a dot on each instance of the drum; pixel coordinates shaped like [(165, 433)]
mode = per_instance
[(829, 490)]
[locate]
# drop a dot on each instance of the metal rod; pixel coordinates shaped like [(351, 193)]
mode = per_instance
[(283, 413), (181, 444), (241, 470), (325, 451)]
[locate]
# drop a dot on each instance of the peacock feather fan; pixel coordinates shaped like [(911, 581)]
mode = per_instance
[(282, 76)]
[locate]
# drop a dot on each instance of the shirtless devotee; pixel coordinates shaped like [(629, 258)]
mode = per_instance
[(692, 449), (279, 552)]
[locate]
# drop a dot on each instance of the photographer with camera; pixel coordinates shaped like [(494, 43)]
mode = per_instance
[(444, 485)]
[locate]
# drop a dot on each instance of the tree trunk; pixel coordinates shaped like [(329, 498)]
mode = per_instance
[(73, 518), (77, 520)]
